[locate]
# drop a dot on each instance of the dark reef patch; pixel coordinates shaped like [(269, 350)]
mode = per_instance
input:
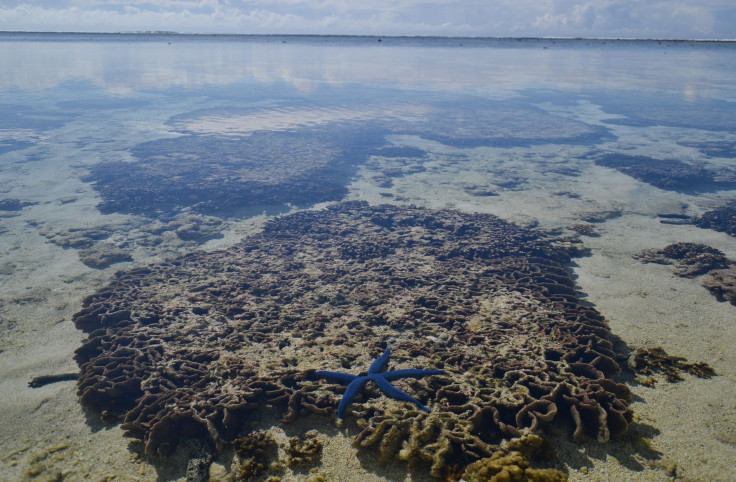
[(654, 360), (722, 219), (208, 343), (689, 259), (715, 148), (722, 284), (668, 174), (212, 174), (19, 116), (693, 259), (648, 110), (12, 207)]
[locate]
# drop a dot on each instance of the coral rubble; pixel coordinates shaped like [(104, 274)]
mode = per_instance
[(648, 361), (205, 344), (689, 259)]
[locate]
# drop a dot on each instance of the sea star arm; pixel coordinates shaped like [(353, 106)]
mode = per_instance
[(349, 395), (380, 363), (337, 376), (410, 372), (394, 392)]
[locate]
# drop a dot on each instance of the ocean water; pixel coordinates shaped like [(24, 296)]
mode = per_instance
[(121, 151)]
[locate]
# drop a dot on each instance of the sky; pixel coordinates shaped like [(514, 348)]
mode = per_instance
[(671, 19)]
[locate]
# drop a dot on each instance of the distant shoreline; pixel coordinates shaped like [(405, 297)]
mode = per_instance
[(148, 35)]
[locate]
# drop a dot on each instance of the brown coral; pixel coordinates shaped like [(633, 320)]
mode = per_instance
[(722, 283), (505, 466), (648, 361), (203, 345), (689, 259), (256, 450), (304, 450), (584, 229)]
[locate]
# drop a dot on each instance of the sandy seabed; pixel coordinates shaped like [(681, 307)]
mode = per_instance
[(691, 425)]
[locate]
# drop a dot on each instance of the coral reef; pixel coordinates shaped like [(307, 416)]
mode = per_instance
[(205, 344), (105, 244), (667, 174), (12, 207), (77, 238), (650, 361), (722, 283), (719, 148), (689, 259), (212, 174), (721, 219)]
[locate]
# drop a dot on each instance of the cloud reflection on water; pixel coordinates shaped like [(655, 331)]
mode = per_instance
[(121, 67)]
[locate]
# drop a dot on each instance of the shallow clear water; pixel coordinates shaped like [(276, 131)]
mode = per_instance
[(120, 150)]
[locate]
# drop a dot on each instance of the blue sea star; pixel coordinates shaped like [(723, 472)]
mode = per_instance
[(356, 382)]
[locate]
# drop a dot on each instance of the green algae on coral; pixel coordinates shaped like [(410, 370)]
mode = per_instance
[(206, 344)]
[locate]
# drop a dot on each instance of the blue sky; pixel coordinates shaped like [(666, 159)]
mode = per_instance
[(679, 19)]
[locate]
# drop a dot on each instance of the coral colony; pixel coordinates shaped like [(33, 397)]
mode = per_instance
[(207, 344)]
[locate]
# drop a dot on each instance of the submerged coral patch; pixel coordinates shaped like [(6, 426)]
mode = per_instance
[(722, 218), (668, 174), (689, 259), (648, 361), (205, 345), (722, 284), (212, 174)]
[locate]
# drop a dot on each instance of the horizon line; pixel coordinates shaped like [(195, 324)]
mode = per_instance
[(394, 36)]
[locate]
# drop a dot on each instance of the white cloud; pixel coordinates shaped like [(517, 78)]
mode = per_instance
[(563, 18)]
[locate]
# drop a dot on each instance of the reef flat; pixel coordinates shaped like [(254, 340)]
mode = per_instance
[(207, 344)]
